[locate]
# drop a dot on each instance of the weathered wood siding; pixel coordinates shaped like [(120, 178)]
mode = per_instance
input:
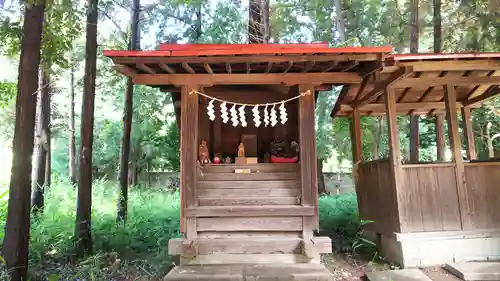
[(376, 196), (482, 196), (428, 199)]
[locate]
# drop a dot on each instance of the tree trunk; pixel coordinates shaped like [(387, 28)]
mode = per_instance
[(321, 178), (378, 136), (84, 204), (437, 26), (134, 44), (71, 138), (42, 143), (17, 227), (339, 21), (258, 21), (489, 141), (414, 120)]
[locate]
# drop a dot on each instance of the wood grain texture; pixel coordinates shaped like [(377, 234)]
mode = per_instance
[(355, 127), (249, 184), (217, 201), (456, 151), (250, 224), (248, 177), (249, 234), (429, 199), (470, 146), (248, 259), (483, 195), (257, 168), (248, 192), (249, 211)]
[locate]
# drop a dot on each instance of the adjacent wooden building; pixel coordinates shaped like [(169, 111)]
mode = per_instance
[(270, 214)]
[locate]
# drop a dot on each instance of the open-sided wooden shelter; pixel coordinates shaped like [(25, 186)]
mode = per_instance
[(270, 214), (428, 213)]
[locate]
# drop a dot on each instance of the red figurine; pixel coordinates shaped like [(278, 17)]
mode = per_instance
[(217, 158)]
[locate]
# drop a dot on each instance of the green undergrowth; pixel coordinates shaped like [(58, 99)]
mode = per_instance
[(138, 250)]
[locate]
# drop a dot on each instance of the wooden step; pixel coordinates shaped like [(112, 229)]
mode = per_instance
[(265, 200), (249, 177), (249, 224), (249, 211), (249, 259), (249, 192), (255, 245), (261, 167), (249, 184)]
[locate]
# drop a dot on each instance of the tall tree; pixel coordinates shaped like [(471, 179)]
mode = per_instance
[(437, 23), (414, 42), (16, 240), (339, 20), (258, 21), (84, 201), (71, 125), (127, 120)]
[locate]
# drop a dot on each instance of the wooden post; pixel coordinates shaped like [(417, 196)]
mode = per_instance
[(308, 164), (414, 139), (469, 134), (440, 144), (355, 127), (189, 151), (394, 151), (456, 151)]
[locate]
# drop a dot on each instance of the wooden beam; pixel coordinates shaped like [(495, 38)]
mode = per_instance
[(371, 68), (452, 65), (249, 211), (381, 86), (247, 79), (331, 66), (414, 139), (355, 128), (481, 89), (350, 65), (250, 58), (440, 143), (425, 82), (456, 151), (361, 88), (145, 68), (167, 68), (308, 161), (248, 67), (189, 148), (125, 70), (394, 155), (340, 99), (309, 66), (208, 69), (188, 68), (468, 134), (404, 106), (269, 66), (489, 94), (290, 65), (228, 68)]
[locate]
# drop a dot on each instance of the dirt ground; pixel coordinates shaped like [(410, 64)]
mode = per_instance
[(346, 267)]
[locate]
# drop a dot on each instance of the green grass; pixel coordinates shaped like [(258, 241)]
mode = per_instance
[(138, 250)]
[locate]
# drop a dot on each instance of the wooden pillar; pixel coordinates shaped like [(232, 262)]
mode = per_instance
[(440, 144), (469, 134), (394, 152), (414, 139), (189, 151), (308, 164), (456, 150), (355, 127)]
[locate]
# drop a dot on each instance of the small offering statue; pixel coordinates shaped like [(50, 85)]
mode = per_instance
[(217, 158), (228, 160), (241, 150), (203, 154)]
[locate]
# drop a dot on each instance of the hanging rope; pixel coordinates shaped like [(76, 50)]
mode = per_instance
[(306, 93)]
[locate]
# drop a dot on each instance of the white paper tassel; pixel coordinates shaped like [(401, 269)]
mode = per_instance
[(274, 119), (234, 115), (243, 118), (256, 117), (283, 115), (223, 110), (210, 110), (266, 116)]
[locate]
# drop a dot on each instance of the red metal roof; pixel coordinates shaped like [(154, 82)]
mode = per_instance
[(185, 50)]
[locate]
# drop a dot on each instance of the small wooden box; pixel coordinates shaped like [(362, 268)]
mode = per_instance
[(240, 160), (252, 160)]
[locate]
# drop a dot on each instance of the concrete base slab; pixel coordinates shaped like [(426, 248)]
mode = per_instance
[(475, 270), (398, 275), (249, 272)]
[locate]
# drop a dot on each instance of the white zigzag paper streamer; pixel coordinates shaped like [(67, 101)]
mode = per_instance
[(210, 110), (243, 118), (223, 110), (234, 115), (274, 119), (266, 116), (256, 117), (283, 115)]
